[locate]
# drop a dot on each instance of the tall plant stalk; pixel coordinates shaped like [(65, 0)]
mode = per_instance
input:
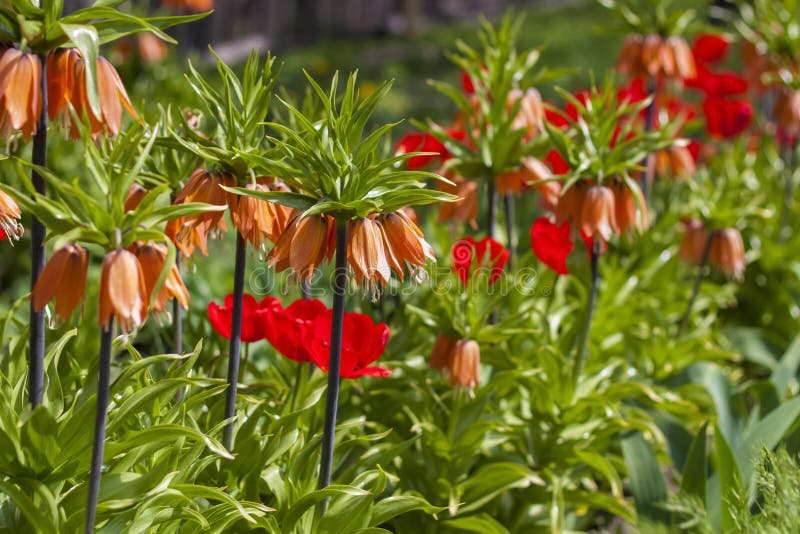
[(177, 315), (236, 332), (332, 398), (103, 384), (36, 333), (510, 226), (597, 247), (650, 122), (491, 210), (701, 274), (788, 188)]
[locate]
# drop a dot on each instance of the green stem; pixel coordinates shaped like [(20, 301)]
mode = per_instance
[(334, 361), (701, 274), (582, 350)]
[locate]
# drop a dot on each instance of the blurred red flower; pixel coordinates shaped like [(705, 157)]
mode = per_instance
[(287, 328), (362, 343), (468, 251), (420, 142), (725, 118), (710, 48), (551, 243), (557, 163), (221, 318)]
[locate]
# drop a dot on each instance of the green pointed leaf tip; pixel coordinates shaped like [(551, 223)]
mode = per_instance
[(335, 164)]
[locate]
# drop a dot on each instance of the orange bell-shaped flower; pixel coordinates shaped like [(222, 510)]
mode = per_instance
[(630, 208), (405, 244), (259, 220), (20, 93), (598, 215), (63, 279), (303, 245), (466, 208), (366, 255), (10, 215), (465, 370), (694, 241), (442, 352), (727, 252), (123, 293), (152, 257)]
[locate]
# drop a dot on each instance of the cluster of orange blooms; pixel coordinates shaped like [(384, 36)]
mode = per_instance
[(602, 210), (656, 56), (377, 245), (127, 281), (531, 171), (724, 248), (461, 358), (21, 100), (256, 220)]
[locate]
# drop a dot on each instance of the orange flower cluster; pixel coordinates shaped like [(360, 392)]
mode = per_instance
[(127, 280), (465, 209), (602, 211), (461, 358), (377, 245), (531, 172), (66, 85), (656, 56), (20, 93), (726, 250), (256, 219), (193, 230)]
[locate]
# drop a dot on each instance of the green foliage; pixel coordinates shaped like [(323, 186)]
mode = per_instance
[(653, 17), (334, 168)]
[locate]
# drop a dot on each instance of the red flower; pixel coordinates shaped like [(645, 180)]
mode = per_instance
[(362, 343), (466, 83), (726, 118), (557, 162), (467, 251), (551, 243), (3, 234), (420, 142), (717, 83), (288, 329), (221, 318), (709, 48)]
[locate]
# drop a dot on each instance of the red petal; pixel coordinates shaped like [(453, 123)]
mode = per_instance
[(220, 318), (551, 243), (710, 48)]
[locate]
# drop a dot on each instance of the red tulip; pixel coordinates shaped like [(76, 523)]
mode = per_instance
[(726, 118), (420, 142), (362, 343), (467, 251), (221, 318), (710, 48), (717, 83), (557, 162), (288, 329), (551, 243), (466, 83)]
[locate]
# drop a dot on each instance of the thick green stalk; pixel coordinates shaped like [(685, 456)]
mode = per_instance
[(334, 362)]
